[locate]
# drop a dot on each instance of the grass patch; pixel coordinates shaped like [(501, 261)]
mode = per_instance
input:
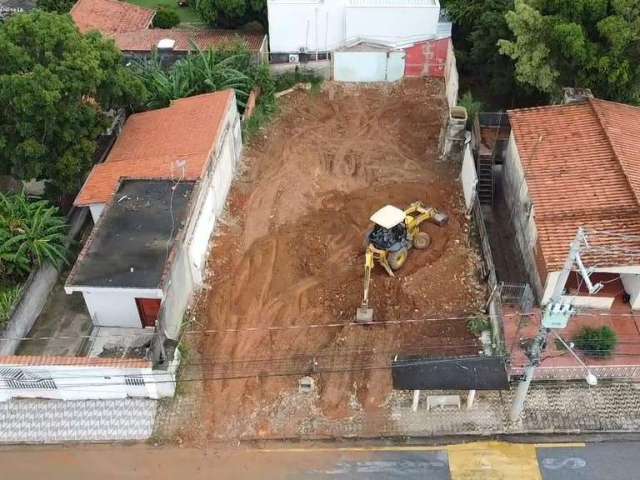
[(9, 296), (187, 15), (266, 108), (478, 324), (289, 79)]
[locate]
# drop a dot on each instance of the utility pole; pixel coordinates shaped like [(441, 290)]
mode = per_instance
[(534, 354), (555, 312)]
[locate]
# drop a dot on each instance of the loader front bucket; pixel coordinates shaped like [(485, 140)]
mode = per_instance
[(364, 314)]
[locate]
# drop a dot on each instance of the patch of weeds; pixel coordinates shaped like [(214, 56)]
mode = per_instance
[(263, 113), (9, 296), (289, 79), (478, 324)]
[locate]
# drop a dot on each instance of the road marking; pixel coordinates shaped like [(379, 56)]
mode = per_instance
[(409, 448), (417, 448), (561, 445), (493, 461)]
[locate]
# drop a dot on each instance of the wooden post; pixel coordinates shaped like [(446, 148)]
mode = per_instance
[(470, 398)]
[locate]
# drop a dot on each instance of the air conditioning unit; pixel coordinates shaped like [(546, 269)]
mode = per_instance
[(294, 58)]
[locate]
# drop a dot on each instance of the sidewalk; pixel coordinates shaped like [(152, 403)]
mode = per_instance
[(56, 421), (551, 408)]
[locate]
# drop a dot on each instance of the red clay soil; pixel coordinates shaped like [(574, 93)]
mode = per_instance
[(291, 255)]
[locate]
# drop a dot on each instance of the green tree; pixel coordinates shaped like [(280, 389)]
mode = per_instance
[(231, 13), (478, 25), (55, 87), (585, 43), (201, 72), (31, 233), (55, 6), (165, 18)]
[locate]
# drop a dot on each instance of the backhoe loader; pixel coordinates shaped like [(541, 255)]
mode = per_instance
[(388, 241)]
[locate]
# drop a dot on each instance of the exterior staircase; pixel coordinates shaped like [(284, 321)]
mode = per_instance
[(486, 179)]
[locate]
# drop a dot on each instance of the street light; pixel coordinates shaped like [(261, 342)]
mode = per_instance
[(591, 379)]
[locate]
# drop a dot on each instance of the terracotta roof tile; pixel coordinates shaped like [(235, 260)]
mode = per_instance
[(152, 142), (30, 360), (110, 16), (147, 40), (582, 169)]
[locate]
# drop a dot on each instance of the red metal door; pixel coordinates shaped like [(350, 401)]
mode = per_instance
[(148, 308)]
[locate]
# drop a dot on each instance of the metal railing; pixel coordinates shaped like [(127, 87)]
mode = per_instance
[(517, 294)]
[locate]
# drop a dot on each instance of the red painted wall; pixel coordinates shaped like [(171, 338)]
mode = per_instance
[(427, 59)]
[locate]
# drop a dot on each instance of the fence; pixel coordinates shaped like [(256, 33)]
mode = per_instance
[(517, 294), (493, 306)]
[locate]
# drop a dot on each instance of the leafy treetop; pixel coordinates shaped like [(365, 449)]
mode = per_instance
[(55, 87), (583, 43)]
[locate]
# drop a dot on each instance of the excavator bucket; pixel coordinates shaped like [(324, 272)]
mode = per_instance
[(364, 314)]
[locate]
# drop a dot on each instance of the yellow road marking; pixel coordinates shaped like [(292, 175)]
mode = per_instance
[(493, 461), (561, 445), (411, 448), (417, 448)]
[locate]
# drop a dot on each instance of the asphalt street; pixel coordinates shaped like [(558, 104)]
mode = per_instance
[(471, 461)]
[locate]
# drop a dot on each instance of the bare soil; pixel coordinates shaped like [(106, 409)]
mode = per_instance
[(289, 261)]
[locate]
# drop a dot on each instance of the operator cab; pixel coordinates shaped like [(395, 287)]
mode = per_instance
[(389, 231)]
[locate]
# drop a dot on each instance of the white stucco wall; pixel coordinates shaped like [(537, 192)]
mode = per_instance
[(326, 25), (115, 307), (451, 77), (468, 177), (96, 210), (212, 196), (87, 382), (391, 22)]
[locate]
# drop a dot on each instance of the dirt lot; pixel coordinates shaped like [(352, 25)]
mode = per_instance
[(291, 252)]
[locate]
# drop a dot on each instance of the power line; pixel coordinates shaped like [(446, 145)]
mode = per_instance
[(272, 328), (240, 377)]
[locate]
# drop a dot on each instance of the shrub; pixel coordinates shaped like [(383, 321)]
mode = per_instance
[(478, 324), (31, 234), (8, 298), (289, 79), (596, 342), (204, 71), (166, 18), (472, 106)]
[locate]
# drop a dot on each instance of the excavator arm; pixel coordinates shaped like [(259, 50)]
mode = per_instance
[(364, 313), (419, 214)]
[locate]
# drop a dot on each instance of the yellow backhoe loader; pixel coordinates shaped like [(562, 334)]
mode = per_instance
[(388, 241)]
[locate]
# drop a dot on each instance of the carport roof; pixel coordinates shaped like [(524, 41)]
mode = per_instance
[(132, 243)]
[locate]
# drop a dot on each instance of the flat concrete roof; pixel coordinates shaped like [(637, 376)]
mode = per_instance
[(133, 239)]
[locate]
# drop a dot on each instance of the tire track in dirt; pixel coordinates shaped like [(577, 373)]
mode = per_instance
[(323, 168)]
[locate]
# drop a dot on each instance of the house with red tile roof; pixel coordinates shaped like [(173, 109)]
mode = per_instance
[(130, 27), (572, 166), (154, 202), (110, 17)]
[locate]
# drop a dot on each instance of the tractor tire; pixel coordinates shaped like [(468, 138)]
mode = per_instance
[(398, 258), (421, 241)]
